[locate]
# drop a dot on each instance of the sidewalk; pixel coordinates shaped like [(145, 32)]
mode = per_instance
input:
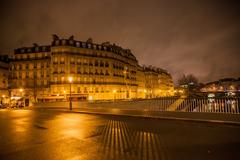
[(232, 119)]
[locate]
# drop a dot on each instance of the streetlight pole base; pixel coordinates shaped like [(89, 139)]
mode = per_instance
[(70, 105)]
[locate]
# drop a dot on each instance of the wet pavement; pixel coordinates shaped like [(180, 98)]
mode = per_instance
[(56, 135), (141, 110)]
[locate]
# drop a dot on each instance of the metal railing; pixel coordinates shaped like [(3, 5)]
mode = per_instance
[(209, 105), (214, 105)]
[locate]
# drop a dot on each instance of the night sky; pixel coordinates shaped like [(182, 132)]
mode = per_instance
[(201, 37)]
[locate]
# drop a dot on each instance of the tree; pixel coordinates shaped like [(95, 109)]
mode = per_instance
[(188, 80)]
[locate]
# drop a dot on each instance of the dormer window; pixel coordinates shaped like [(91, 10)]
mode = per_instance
[(89, 45), (78, 44), (64, 42), (71, 42), (57, 42)]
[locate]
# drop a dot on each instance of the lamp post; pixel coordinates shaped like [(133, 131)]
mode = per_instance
[(21, 91), (65, 95), (70, 98), (125, 78), (3, 97), (114, 94)]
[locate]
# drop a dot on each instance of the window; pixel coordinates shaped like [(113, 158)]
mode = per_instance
[(27, 74), (96, 90), (62, 69), (78, 61), (62, 79), (107, 74), (106, 64), (79, 90), (55, 70), (55, 59), (96, 62), (55, 79), (96, 72), (85, 89), (78, 44), (79, 70), (62, 60), (101, 64), (20, 75), (42, 73), (72, 60), (89, 45), (101, 72)]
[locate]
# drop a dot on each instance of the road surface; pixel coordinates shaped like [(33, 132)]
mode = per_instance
[(56, 135)]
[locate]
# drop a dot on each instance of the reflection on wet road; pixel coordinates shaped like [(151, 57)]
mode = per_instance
[(36, 134), (120, 142)]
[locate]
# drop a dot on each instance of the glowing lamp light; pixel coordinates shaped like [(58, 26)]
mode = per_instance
[(90, 98), (20, 89), (114, 91), (3, 96), (70, 79), (180, 91)]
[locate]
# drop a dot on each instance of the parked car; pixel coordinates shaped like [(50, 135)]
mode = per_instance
[(3, 106)]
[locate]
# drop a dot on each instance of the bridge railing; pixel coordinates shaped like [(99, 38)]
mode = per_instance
[(210, 105)]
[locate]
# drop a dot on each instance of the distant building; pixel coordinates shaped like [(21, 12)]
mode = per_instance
[(226, 85), (158, 82), (99, 71), (4, 71)]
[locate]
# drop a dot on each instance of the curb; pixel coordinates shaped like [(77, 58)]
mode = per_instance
[(160, 118)]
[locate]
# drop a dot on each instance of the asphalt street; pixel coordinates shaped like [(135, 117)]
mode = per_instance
[(56, 135)]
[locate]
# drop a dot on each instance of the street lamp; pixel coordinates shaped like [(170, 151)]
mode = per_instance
[(70, 98), (114, 91), (3, 97), (21, 91), (64, 94), (125, 78)]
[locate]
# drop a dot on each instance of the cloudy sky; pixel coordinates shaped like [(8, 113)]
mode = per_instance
[(201, 37)]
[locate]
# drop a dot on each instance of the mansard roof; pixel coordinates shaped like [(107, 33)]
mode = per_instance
[(105, 46)]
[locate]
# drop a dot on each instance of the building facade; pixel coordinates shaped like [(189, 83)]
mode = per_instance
[(4, 66), (226, 85), (98, 71), (158, 82)]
